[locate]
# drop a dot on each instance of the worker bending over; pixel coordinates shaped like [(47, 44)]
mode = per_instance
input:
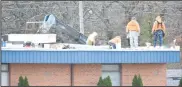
[(91, 40), (115, 41), (133, 29), (158, 30)]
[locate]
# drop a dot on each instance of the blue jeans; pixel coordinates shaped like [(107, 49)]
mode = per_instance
[(112, 44), (158, 35)]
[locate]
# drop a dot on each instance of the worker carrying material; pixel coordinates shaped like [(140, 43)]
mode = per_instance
[(91, 40), (158, 31), (115, 42), (133, 30), (49, 21)]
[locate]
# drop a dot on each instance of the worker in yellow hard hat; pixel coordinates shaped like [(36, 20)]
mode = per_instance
[(158, 30), (91, 40)]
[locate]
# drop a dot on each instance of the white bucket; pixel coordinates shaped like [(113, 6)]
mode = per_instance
[(46, 45), (118, 46)]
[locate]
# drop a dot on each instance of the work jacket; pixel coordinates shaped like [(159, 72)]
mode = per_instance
[(133, 26), (158, 26)]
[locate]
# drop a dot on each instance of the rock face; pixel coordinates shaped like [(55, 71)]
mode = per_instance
[(108, 18)]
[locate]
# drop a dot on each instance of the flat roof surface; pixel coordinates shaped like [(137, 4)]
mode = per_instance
[(94, 49)]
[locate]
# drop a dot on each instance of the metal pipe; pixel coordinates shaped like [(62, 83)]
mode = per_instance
[(81, 17), (1, 40), (71, 75)]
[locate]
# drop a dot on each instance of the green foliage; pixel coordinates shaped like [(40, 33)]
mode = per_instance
[(100, 83), (26, 81), (146, 23), (146, 29), (104, 82), (140, 80), (134, 82), (23, 82), (180, 83), (137, 81), (107, 81)]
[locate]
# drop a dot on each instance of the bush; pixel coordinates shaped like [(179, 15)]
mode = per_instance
[(23, 82), (104, 82), (100, 83), (146, 23), (137, 81), (107, 81), (140, 80), (180, 83), (134, 82), (26, 81)]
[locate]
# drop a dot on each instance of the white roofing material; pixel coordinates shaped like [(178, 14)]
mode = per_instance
[(35, 38), (94, 48)]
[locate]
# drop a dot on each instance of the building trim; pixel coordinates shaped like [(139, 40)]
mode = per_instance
[(71, 74), (120, 70), (89, 57)]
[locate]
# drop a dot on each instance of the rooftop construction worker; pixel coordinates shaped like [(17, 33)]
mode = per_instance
[(158, 31), (91, 39), (133, 30), (115, 41)]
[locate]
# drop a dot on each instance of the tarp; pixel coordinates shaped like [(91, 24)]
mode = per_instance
[(49, 20)]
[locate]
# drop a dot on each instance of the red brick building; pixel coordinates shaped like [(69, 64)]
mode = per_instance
[(83, 67)]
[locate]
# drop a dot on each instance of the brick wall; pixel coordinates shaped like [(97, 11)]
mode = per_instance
[(55, 74), (41, 74), (84, 74), (87, 74), (152, 74)]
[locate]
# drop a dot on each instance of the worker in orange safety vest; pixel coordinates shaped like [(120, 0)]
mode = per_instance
[(114, 42), (133, 30), (158, 30)]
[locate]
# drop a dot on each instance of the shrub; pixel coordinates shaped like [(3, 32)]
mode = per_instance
[(26, 81), (100, 83), (134, 82), (107, 81), (23, 82), (146, 23), (140, 81), (104, 82), (137, 81)]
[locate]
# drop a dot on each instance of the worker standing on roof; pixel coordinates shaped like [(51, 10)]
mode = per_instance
[(158, 30), (114, 42), (91, 40), (133, 30)]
